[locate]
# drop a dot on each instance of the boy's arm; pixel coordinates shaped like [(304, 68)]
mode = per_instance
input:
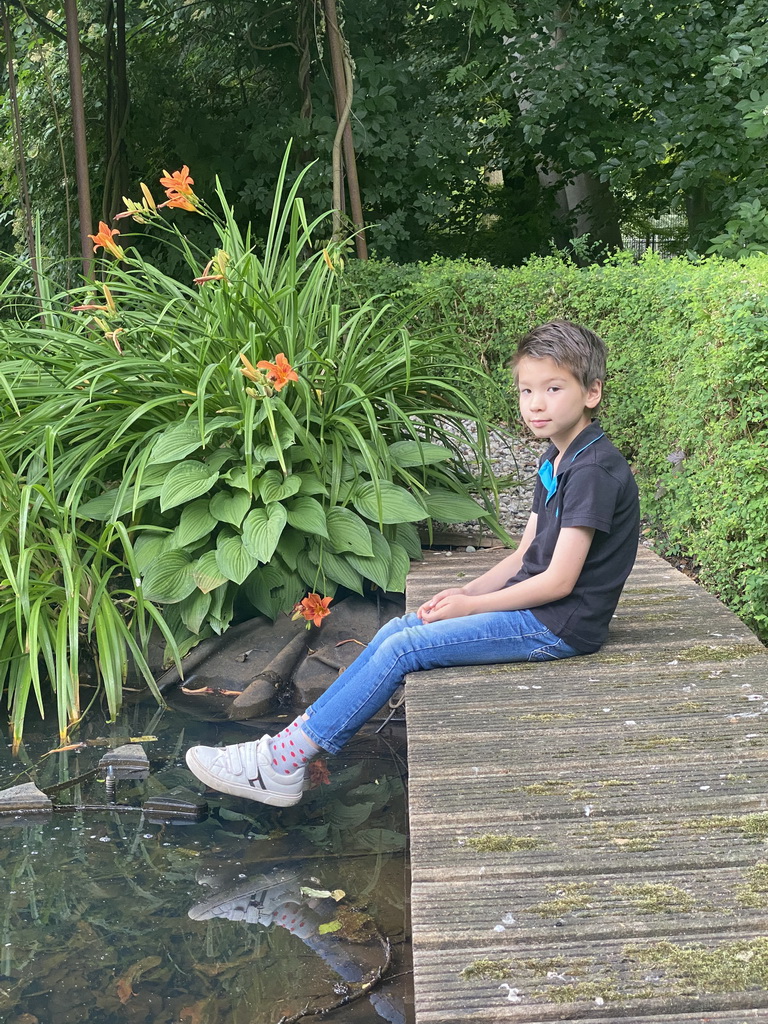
[(556, 582), (495, 578)]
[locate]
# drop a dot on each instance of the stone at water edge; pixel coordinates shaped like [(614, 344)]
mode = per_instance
[(23, 799), (128, 761)]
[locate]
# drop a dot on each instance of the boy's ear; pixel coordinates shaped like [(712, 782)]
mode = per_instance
[(594, 394)]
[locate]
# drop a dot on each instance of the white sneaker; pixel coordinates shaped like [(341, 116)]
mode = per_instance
[(246, 770)]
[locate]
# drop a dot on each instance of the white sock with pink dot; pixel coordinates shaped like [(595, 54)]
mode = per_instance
[(292, 749)]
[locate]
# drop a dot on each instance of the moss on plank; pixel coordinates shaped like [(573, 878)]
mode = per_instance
[(754, 892), (491, 842), (566, 899), (709, 652), (695, 969), (658, 898), (487, 970)]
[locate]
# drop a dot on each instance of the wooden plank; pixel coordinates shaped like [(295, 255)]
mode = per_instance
[(610, 861)]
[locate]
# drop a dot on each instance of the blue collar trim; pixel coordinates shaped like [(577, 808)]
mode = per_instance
[(547, 474)]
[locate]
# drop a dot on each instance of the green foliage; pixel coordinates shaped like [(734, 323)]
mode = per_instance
[(686, 399), (207, 447)]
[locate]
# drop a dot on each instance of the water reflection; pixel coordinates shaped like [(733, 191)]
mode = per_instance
[(113, 915)]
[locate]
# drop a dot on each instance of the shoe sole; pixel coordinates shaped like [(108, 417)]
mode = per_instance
[(247, 792), (262, 886)]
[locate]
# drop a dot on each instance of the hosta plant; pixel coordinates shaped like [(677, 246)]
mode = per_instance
[(252, 439)]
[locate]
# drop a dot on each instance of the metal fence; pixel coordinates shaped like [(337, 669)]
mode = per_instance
[(666, 235)]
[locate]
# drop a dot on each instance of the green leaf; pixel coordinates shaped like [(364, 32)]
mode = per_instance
[(399, 569), (378, 840), (262, 529), (147, 547), (328, 927), (272, 589), (311, 484), (169, 579), (230, 508), (307, 514), (418, 453), (234, 559), (449, 507), (103, 507), (396, 504), (345, 816), (206, 572), (193, 610), (273, 486), (176, 443), (408, 536), (238, 477), (377, 567), (222, 609), (195, 523), (186, 481), (291, 543), (348, 532), (338, 568)]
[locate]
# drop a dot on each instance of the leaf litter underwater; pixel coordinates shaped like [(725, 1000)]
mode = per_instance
[(253, 914)]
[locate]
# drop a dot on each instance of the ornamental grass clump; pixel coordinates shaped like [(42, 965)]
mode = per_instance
[(225, 444)]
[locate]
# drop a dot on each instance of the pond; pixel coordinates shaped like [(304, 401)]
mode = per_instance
[(253, 914)]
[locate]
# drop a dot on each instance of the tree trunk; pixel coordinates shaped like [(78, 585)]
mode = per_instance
[(342, 88), (78, 131), (116, 175), (21, 164), (698, 210), (584, 205)]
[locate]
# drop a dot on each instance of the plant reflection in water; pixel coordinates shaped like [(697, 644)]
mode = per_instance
[(252, 915)]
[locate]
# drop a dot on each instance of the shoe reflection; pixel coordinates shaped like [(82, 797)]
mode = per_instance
[(278, 898)]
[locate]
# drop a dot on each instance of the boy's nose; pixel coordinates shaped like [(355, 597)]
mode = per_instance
[(537, 401)]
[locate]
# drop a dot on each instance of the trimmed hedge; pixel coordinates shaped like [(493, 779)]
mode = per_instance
[(687, 390)]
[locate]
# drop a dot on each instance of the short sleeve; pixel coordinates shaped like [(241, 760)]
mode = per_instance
[(590, 497)]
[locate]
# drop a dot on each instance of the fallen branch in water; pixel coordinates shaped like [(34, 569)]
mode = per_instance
[(354, 990)]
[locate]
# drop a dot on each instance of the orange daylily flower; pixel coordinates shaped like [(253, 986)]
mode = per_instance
[(179, 181), (278, 373), (178, 202), (313, 608), (105, 237)]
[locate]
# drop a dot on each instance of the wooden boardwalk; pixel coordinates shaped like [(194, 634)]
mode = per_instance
[(611, 861)]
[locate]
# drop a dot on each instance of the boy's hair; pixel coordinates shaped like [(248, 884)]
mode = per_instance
[(576, 348)]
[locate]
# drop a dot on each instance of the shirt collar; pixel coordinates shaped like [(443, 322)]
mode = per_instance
[(591, 433)]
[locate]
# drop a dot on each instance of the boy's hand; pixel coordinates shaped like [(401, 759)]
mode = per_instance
[(447, 605), (428, 607)]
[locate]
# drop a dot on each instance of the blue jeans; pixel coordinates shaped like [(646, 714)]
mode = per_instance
[(406, 645)]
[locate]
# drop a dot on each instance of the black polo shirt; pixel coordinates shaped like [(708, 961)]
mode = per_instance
[(594, 487)]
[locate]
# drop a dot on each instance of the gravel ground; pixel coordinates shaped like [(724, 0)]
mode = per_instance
[(515, 459)]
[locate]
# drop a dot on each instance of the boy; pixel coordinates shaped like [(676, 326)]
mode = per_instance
[(551, 598)]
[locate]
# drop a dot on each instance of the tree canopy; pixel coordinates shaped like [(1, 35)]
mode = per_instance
[(597, 114)]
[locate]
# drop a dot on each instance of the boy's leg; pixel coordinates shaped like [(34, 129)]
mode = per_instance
[(358, 666), (406, 645), (491, 638), (272, 769)]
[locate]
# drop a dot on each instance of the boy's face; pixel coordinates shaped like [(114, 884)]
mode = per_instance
[(552, 401)]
